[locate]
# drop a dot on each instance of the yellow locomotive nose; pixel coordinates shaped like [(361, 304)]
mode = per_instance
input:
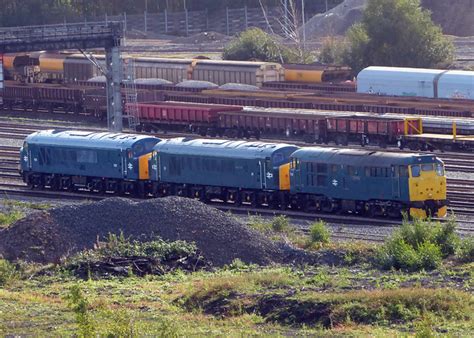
[(427, 190)]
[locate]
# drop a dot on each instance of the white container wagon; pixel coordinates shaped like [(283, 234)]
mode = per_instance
[(432, 83)]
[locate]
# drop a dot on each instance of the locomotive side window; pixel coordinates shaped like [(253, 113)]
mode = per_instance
[(45, 156), (175, 168), (322, 168), (352, 171), (415, 170), (86, 156), (395, 171)]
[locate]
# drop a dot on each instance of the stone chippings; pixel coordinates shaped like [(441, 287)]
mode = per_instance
[(48, 236)]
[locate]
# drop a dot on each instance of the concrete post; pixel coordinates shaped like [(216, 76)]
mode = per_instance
[(114, 97), (125, 21), (186, 21), (145, 21), (166, 20), (227, 20), (246, 14)]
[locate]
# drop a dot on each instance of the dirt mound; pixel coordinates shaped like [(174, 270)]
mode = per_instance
[(335, 21), (50, 235), (455, 17)]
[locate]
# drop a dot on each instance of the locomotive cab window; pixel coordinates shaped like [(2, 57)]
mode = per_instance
[(415, 170), (439, 169), (427, 167)]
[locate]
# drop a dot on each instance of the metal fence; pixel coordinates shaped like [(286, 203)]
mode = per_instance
[(228, 21)]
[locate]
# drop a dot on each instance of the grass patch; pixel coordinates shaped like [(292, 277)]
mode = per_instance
[(28, 205), (7, 219), (234, 296)]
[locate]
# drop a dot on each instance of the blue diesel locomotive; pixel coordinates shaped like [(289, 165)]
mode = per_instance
[(69, 160), (368, 182), (233, 171), (256, 173)]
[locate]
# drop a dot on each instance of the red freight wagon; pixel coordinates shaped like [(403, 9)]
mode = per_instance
[(255, 122), (374, 130), (153, 115)]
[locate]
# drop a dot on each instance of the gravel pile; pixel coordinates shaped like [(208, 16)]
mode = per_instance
[(51, 235), (337, 20)]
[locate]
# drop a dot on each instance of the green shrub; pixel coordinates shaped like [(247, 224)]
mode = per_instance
[(255, 44), (319, 233), (446, 237), (280, 223), (420, 244), (429, 255), (465, 250)]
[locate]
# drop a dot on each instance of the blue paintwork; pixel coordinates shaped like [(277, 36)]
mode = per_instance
[(82, 153), (338, 183), (238, 164)]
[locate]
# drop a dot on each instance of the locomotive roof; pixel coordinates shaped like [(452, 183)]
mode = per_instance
[(361, 157), (220, 148), (86, 139)]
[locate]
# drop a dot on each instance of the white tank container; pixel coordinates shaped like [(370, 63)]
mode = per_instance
[(396, 81), (456, 84)]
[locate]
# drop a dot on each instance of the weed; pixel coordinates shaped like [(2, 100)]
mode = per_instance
[(321, 279), (80, 306), (424, 328), (319, 233), (465, 250), (8, 272), (280, 223), (259, 224)]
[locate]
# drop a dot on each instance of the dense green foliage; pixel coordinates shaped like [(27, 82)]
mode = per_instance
[(396, 33), (465, 250), (255, 44), (319, 233), (419, 245)]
